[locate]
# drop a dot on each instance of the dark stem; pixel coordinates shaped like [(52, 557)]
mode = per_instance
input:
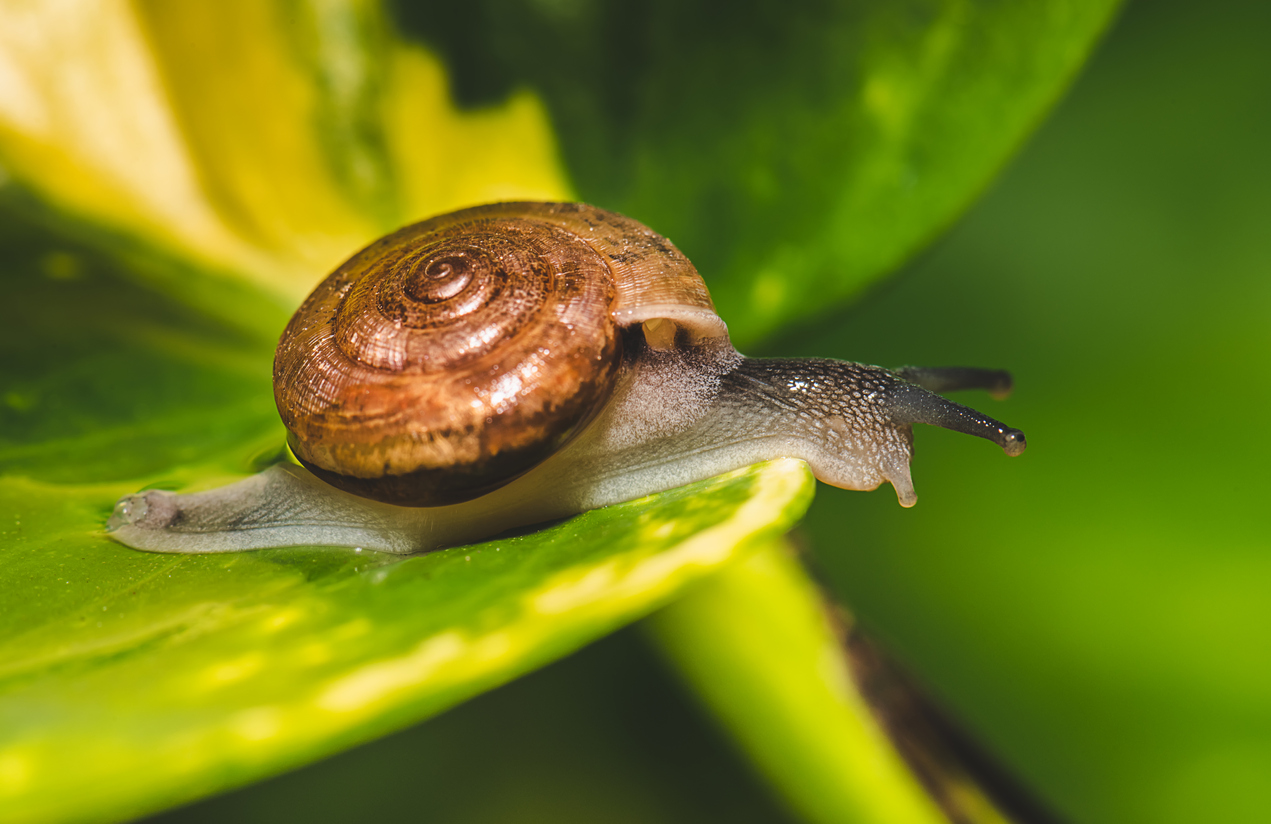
[(953, 766)]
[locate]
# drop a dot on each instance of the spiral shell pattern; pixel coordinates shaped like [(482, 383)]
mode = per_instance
[(453, 355)]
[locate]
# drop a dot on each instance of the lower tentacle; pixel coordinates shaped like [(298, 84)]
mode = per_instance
[(910, 404)]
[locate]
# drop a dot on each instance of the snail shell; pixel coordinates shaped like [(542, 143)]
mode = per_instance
[(451, 356), (510, 364)]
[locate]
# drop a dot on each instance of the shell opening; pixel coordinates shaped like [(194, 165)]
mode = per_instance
[(660, 333)]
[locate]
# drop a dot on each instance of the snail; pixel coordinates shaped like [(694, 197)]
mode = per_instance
[(515, 363)]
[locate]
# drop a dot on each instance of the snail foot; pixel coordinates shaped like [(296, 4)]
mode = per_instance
[(154, 509)]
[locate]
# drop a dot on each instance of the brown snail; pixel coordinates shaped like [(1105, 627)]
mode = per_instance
[(514, 363)]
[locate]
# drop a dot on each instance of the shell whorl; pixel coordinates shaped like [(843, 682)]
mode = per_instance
[(453, 355)]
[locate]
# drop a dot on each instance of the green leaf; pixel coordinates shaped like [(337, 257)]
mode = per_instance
[(235, 667), (794, 154), (199, 168), (163, 678), (105, 380), (262, 142)]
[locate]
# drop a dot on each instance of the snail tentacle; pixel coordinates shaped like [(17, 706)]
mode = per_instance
[(940, 379), (913, 404)]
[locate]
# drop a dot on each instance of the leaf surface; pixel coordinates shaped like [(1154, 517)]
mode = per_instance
[(164, 678)]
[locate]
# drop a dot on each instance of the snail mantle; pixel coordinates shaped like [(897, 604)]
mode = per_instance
[(515, 363)]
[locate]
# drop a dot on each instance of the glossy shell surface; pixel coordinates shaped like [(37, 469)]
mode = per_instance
[(453, 355)]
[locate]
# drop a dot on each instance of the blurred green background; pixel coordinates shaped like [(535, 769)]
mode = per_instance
[(1097, 611)]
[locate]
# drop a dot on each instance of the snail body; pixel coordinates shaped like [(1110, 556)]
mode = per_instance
[(515, 363)]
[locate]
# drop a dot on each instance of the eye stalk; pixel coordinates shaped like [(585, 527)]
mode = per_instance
[(941, 379), (916, 401)]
